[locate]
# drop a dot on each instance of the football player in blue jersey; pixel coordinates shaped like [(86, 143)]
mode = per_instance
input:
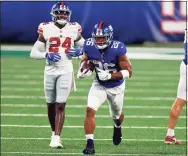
[(182, 94), (112, 67)]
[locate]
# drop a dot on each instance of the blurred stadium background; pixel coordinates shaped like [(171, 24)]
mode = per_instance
[(153, 33)]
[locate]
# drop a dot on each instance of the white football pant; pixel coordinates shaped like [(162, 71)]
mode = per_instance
[(98, 94), (57, 87), (182, 86)]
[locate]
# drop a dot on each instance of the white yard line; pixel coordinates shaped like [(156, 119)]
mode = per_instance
[(85, 97), (116, 154), (83, 139), (40, 77), (101, 127), (86, 83), (98, 116), (158, 50), (82, 106), (140, 72), (21, 89)]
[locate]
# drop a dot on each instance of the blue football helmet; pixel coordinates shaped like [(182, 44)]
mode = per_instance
[(102, 35), (60, 13)]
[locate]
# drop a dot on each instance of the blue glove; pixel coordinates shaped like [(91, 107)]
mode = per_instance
[(54, 57), (75, 52)]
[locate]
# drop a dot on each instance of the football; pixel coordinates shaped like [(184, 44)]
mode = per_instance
[(88, 66)]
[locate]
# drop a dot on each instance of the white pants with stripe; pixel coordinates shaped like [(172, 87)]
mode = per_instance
[(98, 94)]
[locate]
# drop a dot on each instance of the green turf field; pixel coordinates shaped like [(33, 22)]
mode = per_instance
[(149, 96)]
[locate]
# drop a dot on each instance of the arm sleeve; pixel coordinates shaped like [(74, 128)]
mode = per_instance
[(38, 50)]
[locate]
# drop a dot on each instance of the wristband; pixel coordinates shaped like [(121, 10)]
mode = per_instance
[(125, 73)]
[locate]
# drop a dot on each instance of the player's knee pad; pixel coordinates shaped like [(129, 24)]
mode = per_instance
[(115, 112), (115, 116), (50, 100), (62, 99)]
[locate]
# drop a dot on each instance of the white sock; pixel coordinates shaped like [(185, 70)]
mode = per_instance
[(117, 126), (89, 136), (170, 132), (53, 133)]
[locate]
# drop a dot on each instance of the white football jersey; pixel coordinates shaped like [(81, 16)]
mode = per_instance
[(59, 40)]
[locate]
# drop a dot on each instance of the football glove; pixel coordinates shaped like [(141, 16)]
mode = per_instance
[(84, 73), (103, 75), (54, 57), (75, 52)]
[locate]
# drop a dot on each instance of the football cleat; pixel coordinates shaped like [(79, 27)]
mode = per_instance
[(172, 140), (117, 136), (89, 150), (55, 142)]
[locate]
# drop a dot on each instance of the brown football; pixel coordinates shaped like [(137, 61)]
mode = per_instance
[(88, 66)]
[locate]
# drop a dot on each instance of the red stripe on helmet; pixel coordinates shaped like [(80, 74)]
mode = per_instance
[(62, 4), (100, 25)]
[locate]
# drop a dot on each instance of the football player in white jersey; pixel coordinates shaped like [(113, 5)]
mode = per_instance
[(58, 42), (182, 94)]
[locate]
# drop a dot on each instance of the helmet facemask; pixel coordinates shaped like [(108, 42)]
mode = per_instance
[(60, 13), (102, 41), (61, 16)]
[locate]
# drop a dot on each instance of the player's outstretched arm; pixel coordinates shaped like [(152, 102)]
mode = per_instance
[(126, 69), (38, 49)]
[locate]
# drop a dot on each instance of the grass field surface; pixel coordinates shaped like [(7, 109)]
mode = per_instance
[(149, 95)]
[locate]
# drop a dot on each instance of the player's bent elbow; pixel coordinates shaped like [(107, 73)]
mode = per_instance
[(35, 54), (32, 55), (130, 73)]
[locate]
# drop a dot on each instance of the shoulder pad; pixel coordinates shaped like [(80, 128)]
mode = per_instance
[(77, 26), (88, 43), (119, 47), (41, 27)]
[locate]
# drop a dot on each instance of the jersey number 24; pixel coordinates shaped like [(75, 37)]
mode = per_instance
[(55, 43)]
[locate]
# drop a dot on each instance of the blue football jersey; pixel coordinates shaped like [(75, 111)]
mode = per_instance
[(185, 48), (108, 61)]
